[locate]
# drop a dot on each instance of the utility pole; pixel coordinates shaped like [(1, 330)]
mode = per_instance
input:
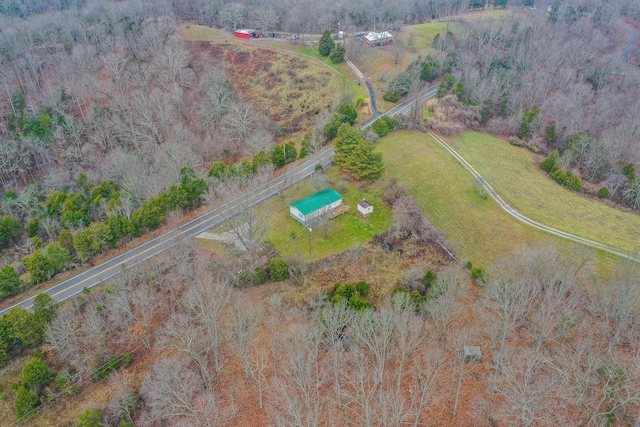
[(309, 239)]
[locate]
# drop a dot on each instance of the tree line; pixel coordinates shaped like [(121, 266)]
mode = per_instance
[(549, 82), (552, 353)]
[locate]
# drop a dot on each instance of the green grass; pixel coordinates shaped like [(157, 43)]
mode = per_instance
[(347, 231), (479, 230), (202, 32), (514, 173), (425, 33)]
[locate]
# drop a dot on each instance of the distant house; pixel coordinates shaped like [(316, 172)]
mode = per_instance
[(378, 39), (309, 209), (365, 208)]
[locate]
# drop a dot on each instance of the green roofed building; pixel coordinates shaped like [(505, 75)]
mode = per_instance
[(306, 210)]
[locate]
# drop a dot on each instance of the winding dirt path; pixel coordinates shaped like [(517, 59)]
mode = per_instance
[(517, 215), (630, 43)]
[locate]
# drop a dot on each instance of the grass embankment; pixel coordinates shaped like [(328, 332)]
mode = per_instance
[(350, 82), (479, 229), (514, 173), (345, 232)]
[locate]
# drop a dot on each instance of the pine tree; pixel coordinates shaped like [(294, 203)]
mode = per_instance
[(326, 44), (363, 163), (9, 282), (337, 54), (348, 138)]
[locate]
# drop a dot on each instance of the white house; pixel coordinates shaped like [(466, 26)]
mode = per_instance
[(365, 208), (309, 209), (378, 39)]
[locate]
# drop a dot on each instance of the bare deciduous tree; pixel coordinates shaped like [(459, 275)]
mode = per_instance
[(173, 391), (179, 333), (206, 298), (244, 320)]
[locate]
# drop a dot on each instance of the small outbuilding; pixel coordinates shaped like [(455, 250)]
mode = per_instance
[(365, 208), (378, 39), (247, 34), (307, 210)]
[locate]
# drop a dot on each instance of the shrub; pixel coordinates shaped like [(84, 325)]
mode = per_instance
[(348, 114), (574, 183), (380, 127), (65, 382), (259, 276), (35, 374), (479, 275), (111, 363), (550, 163), (604, 193), (394, 96), (33, 228), (346, 291), (363, 289), (91, 418), (278, 269), (429, 279), (26, 402), (338, 299), (358, 303)]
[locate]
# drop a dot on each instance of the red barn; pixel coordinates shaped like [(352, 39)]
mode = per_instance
[(245, 34)]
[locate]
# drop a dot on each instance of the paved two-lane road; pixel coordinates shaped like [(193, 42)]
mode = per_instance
[(104, 271)]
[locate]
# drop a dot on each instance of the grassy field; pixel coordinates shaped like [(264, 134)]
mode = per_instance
[(193, 32), (423, 34), (479, 229), (345, 232), (513, 172)]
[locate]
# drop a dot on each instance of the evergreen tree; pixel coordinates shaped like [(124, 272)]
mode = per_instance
[(91, 418), (38, 266), (348, 114), (331, 128), (426, 74), (326, 44), (57, 258), (348, 138), (277, 156), (364, 164), (66, 240), (337, 54), (10, 231), (290, 152), (9, 281)]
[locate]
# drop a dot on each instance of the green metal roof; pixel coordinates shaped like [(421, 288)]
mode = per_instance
[(317, 201)]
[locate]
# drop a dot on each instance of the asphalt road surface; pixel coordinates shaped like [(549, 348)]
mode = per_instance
[(372, 93), (216, 216), (110, 268)]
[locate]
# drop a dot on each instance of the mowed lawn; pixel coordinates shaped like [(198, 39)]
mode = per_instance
[(513, 172), (425, 33), (479, 230), (347, 231)]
